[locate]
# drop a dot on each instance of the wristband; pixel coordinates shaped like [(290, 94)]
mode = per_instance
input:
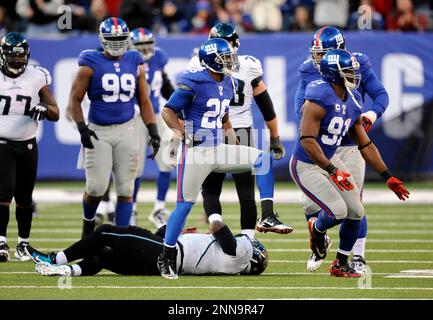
[(330, 168), (386, 174)]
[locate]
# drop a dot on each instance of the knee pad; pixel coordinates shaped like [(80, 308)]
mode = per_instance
[(339, 209), (310, 207), (125, 188), (356, 212), (95, 189)]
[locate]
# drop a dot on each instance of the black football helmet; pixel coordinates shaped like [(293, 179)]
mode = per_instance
[(259, 260), (227, 32), (14, 54)]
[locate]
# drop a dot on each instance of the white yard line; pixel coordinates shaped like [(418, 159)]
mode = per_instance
[(369, 261)]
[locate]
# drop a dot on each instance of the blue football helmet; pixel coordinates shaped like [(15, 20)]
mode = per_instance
[(142, 39), (340, 67), (113, 35), (14, 54), (325, 39), (218, 56)]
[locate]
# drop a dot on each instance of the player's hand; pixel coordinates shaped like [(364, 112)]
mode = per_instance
[(86, 134), (277, 147), (340, 179), (154, 141), (39, 112), (399, 189), (368, 118)]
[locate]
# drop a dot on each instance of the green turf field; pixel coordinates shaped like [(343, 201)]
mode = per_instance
[(400, 239)]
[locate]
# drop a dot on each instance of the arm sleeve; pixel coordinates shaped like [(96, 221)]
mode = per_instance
[(375, 89), (264, 102), (85, 59), (226, 240)]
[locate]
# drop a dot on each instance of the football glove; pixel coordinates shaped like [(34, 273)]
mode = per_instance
[(277, 147), (340, 179), (39, 112), (368, 118), (154, 141), (85, 134), (397, 186)]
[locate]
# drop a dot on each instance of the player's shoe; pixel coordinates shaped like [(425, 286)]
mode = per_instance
[(358, 263), (37, 256), (272, 224), (157, 217), (314, 262), (345, 270), (20, 252), (318, 245), (167, 267), (47, 269), (4, 252)]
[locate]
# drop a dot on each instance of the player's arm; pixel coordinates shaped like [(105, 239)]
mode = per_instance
[(78, 90), (144, 103), (312, 115), (266, 107), (228, 130), (167, 88), (224, 236), (372, 156), (48, 100)]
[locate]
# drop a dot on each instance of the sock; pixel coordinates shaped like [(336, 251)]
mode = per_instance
[(137, 183), (215, 217), (359, 247), (88, 228), (123, 213), (265, 176), (89, 211), (310, 215), (348, 234), (3, 239), (134, 207), (249, 233), (110, 207), (24, 218), (159, 205), (169, 252), (176, 222), (61, 258), (4, 220), (325, 222), (24, 239), (342, 258), (163, 184), (267, 208), (76, 270)]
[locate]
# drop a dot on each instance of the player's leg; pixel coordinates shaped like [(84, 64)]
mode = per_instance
[(7, 187), (125, 166), (211, 191), (26, 169), (105, 209), (98, 163), (237, 159), (354, 162), (194, 165), (159, 212)]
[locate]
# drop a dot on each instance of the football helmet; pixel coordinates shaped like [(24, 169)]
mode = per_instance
[(227, 32), (340, 67), (14, 54), (259, 260), (113, 35), (218, 56), (142, 39), (325, 39)]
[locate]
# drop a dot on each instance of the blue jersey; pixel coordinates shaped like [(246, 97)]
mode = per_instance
[(370, 84), (203, 102), (154, 68), (340, 116), (112, 86)]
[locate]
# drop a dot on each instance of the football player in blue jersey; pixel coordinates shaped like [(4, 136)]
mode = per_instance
[(115, 82), (204, 97), (155, 59), (324, 40), (332, 108)]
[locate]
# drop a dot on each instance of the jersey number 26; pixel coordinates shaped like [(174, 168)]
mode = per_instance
[(212, 118)]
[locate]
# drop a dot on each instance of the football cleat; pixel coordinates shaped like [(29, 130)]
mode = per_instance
[(47, 269), (345, 270), (314, 262), (318, 245), (4, 252), (158, 217), (167, 267), (272, 224), (20, 252), (37, 256), (358, 263)]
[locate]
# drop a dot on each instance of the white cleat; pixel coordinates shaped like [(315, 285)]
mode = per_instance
[(20, 252), (359, 264), (315, 262), (46, 269), (158, 217)]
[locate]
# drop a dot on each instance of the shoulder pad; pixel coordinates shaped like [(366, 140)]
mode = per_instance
[(363, 59), (42, 72), (252, 65)]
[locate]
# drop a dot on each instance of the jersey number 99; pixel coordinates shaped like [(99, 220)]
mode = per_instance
[(122, 88)]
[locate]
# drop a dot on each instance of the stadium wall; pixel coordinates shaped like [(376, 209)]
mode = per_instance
[(403, 62)]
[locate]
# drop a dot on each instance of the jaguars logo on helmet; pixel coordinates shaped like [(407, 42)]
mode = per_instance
[(218, 56), (14, 54)]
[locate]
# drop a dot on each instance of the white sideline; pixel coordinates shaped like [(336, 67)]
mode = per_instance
[(370, 196)]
